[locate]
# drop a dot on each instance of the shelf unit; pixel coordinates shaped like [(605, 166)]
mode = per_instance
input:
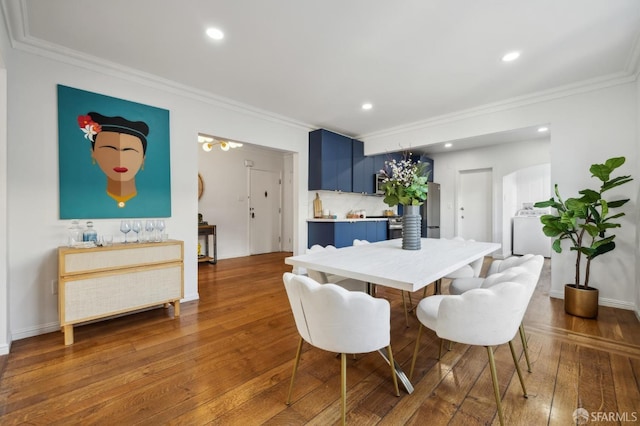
[(100, 282)]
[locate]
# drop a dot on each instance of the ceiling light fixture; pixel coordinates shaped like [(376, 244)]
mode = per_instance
[(215, 33), (542, 129), (448, 145), (511, 56), (208, 143), (367, 106)]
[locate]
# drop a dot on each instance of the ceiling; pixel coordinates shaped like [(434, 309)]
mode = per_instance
[(315, 62)]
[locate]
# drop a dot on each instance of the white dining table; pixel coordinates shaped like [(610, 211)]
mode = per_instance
[(386, 263)]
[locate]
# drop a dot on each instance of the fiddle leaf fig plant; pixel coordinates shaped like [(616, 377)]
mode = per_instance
[(586, 221)]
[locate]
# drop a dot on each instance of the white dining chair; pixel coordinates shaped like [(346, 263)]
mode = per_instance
[(358, 242), (324, 278), (331, 318), (485, 316), (507, 269), (471, 270)]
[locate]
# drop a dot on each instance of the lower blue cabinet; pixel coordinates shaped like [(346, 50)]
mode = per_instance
[(342, 234)]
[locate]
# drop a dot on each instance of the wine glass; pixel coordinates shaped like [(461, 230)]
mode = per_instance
[(137, 227), (148, 226), (160, 228), (125, 226)]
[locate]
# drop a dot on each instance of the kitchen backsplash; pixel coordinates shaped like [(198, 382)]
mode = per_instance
[(340, 203)]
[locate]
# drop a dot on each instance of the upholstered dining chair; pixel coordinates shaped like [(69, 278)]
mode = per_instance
[(504, 271), (324, 278), (331, 318), (358, 242), (467, 271), (485, 316)]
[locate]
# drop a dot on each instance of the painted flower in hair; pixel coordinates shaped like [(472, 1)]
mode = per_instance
[(88, 126), (404, 181)]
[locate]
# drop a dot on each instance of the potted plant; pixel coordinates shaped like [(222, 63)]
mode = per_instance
[(405, 182), (586, 222)]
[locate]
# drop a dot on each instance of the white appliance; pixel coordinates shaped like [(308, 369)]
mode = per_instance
[(527, 233)]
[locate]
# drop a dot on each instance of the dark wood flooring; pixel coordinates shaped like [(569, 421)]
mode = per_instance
[(227, 360)]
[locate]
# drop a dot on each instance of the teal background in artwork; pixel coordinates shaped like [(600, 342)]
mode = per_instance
[(83, 185)]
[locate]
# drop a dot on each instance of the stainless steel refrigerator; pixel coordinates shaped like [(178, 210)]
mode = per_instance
[(430, 212)]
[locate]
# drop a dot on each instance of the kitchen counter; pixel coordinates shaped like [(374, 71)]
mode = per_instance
[(366, 219)]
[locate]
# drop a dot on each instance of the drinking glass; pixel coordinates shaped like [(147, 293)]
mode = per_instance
[(125, 226), (160, 228), (137, 227), (148, 226)]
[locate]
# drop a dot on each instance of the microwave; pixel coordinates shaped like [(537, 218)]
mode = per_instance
[(379, 180)]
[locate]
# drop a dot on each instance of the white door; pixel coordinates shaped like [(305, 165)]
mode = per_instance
[(474, 205), (264, 211)]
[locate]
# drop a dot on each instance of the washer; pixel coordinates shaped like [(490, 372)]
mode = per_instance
[(527, 233)]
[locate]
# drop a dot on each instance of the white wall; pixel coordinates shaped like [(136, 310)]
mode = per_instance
[(34, 228), (5, 333), (225, 199), (502, 160), (586, 127)]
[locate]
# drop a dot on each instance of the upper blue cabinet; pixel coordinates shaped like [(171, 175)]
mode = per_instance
[(338, 163), (429, 169), (363, 170), (330, 161)]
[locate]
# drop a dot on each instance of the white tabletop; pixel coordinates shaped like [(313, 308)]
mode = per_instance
[(386, 263)]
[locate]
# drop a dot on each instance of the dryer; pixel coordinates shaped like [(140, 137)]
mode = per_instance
[(527, 233)]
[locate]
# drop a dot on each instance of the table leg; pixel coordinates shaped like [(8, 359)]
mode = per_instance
[(399, 372)]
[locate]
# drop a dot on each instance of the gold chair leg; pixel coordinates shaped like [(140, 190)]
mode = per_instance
[(295, 369), (515, 361), (525, 346), (393, 371), (494, 378), (415, 352), (440, 350), (343, 385), (404, 305)]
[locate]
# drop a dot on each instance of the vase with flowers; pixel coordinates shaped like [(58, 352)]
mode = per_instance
[(405, 182)]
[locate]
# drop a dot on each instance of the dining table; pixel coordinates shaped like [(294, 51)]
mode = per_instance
[(387, 264)]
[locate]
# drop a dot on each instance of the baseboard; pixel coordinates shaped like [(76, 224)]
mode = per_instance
[(612, 303), (5, 349), (55, 326)]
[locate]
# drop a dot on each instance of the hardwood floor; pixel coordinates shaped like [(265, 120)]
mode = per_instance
[(227, 360)]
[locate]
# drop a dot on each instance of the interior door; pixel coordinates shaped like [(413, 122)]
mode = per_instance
[(264, 211), (474, 205)]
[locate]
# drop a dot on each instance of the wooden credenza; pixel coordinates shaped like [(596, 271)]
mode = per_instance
[(99, 282)]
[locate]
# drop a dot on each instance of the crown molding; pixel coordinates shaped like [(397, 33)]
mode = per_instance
[(21, 40), (517, 102)]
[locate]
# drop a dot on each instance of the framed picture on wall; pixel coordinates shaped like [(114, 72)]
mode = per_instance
[(113, 157)]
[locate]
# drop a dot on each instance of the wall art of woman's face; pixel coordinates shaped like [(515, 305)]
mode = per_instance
[(119, 155)]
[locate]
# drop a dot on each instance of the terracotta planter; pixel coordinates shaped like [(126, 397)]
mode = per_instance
[(581, 302)]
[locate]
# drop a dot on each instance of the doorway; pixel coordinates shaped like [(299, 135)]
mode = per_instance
[(474, 204), (265, 210)]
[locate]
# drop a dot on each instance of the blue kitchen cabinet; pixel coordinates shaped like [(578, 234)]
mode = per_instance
[(330, 161), (429, 168), (342, 234), (363, 170)]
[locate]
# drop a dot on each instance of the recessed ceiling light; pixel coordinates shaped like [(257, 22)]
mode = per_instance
[(367, 106), (511, 56), (542, 129), (448, 145), (215, 33)]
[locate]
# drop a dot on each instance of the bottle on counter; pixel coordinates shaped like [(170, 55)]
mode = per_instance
[(90, 234), (75, 233)]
